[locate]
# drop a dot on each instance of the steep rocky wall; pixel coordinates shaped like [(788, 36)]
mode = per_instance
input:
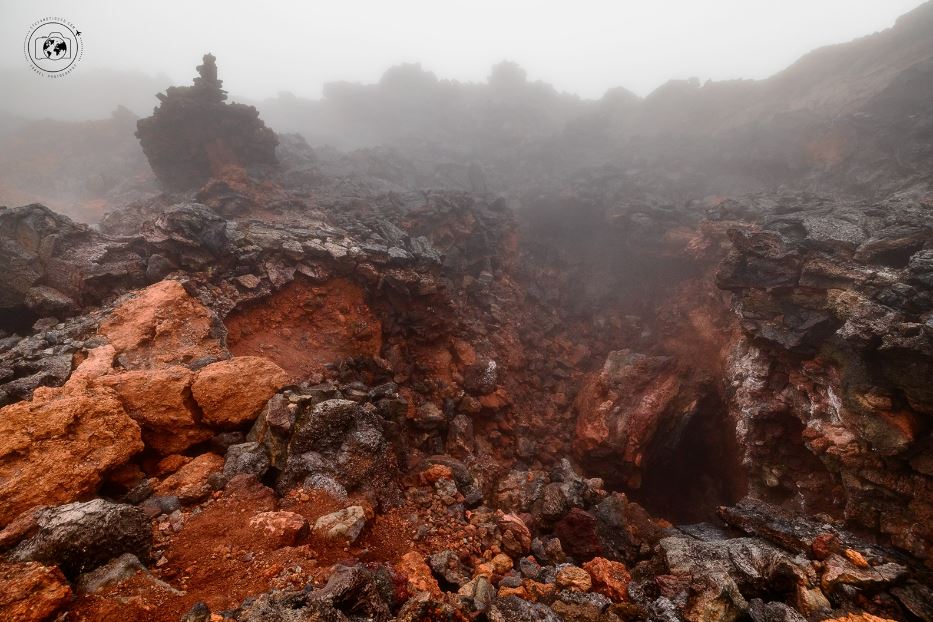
[(836, 361)]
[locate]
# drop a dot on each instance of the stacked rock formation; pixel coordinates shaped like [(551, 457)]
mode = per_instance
[(194, 134)]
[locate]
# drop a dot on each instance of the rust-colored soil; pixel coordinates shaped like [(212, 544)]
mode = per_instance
[(219, 559), (304, 326)]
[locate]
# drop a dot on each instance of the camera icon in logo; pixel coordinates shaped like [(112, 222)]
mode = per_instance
[(55, 46)]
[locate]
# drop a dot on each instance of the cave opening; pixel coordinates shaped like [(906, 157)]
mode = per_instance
[(17, 321), (690, 472)]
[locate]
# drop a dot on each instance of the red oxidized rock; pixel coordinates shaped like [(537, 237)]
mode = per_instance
[(233, 392), (58, 446), (31, 592)]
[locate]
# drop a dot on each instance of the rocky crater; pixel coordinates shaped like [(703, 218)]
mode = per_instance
[(302, 384)]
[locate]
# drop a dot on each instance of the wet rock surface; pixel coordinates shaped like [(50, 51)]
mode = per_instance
[(79, 537)]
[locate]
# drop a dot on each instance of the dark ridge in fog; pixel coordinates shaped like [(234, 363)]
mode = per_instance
[(823, 114)]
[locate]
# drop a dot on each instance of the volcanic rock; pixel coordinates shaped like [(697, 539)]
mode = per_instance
[(574, 578), (159, 400), (417, 573), (232, 392), (346, 524), (81, 536), (609, 578), (59, 446), (283, 528), (162, 325), (51, 265), (192, 481), (31, 592), (514, 609), (193, 134)]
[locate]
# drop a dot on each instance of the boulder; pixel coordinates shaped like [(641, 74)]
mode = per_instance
[(159, 400), (163, 325), (246, 458), (58, 446), (232, 392), (192, 481), (79, 537)]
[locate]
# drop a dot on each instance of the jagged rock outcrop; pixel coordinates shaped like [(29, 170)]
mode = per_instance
[(193, 134), (51, 266), (834, 369)]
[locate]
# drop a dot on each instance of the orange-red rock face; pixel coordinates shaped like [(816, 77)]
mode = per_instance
[(160, 401), (57, 447), (31, 592), (621, 408), (190, 483), (162, 325)]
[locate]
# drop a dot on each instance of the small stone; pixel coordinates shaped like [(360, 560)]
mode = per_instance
[(249, 281), (346, 524), (609, 578), (199, 612), (574, 578), (856, 558), (413, 567)]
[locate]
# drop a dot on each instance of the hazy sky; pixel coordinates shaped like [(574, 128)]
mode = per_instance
[(585, 47)]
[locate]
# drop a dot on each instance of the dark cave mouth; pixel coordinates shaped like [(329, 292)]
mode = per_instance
[(685, 479), (17, 321)]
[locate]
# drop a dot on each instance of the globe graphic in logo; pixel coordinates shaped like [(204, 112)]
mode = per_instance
[(54, 47)]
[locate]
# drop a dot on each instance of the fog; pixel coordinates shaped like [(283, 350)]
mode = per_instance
[(135, 49)]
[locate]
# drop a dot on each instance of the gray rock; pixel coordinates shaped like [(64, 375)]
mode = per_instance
[(199, 612), (515, 609), (246, 458), (345, 524), (447, 566), (481, 377), (154, 506), (772, 612), (117, 571), (478, 592), (79, 537)]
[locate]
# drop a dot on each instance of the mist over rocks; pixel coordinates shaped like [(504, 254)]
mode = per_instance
[(522, 357)]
